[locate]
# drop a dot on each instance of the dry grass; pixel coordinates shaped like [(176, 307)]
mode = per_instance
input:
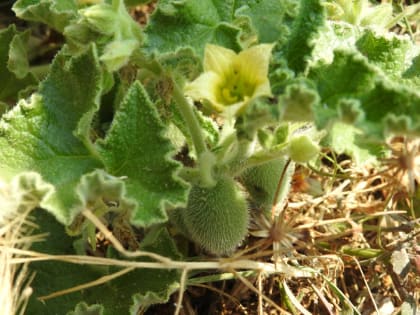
[(15, 234), (330, 249)]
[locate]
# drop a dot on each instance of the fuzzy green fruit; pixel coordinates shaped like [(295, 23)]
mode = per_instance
[(302, 149), (261, 182), (217, 217)]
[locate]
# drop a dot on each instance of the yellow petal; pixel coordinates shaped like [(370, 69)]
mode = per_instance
[(263, 89), (253, 63), (218, 59), (205, 87)]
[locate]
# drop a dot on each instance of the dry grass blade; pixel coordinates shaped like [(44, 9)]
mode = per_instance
[(263, 296), (293, 299), (94, 283), (14, 279)]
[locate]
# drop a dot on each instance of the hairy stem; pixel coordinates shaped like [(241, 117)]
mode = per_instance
[(191, 120)]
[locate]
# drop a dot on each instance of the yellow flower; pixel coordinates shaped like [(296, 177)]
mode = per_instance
[(230, 79)]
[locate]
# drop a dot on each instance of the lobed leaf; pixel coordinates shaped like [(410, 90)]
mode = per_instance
[(381, 102), (83, 309), (57, 14), (190, 23), (14, 72), (23, 193), (128, 292), (49, 133), (346, 138), (135, 147), (305, 29), (388, 52), (270, 19)]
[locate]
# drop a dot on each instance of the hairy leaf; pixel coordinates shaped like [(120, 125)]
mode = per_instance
[(387, 52), (135, 147), (269, 18), (23, 193), (298, 102), (304, 31), (177, 24), (84, 309), (14, 73), (116, 297), (39, 135), (382, 102), (55, 13), (345, 138)]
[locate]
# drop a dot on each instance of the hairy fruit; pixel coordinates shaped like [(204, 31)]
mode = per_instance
[(217, 217), (261, 182)]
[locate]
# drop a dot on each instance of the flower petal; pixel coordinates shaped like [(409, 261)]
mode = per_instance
[(253, 63), (205, 87), (262, 89), (218, 59)]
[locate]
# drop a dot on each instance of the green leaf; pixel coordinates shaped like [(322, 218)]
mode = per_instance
[(18, 57), (135, 147), (84, 309), (190, 23), (99, 186), (333, 36), (131, 291), (269, 18), (184, 63), (111, 27), (345, 138), (413, 73), (388, 105), (55, 13), (383, 104), (387, 52), (298, 102), (304, 31), (14, 75), (24, 192), (52, 276), (179, 134), (40, 134), (151, 286), (102, 193), (348, 74), (258, 114)]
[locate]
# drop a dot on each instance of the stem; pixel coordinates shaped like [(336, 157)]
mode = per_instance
[(236, 166), (191, 120), (280, 184), (258, 158)]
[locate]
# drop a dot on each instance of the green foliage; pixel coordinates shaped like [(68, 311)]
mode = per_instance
[(84, 309), (217, 218), (135, 148), (111, 27), (21, 194), (302, 149), (110, 130), (269, 19), (138, 288), (55, 124), (351, 76), (305, 28), (57, 14), (14, 72), (177, 24), (261, 182)]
